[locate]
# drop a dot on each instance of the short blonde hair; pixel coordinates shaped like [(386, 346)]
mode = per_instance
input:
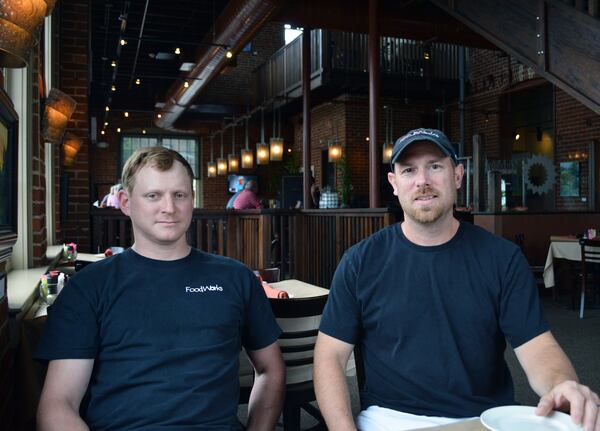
[(160, 158)]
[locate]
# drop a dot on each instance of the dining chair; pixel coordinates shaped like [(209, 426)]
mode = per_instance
[(299, 320), (536, 270), (270, 275), (590, 271)]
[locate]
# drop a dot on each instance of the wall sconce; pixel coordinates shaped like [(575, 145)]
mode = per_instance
[(71, 147), (334, 151), (57, 112), (221, 161), (211, 167), (19, 26), (262, 151), (247, 156), (232, 159)]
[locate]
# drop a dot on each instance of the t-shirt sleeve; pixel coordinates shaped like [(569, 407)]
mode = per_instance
[(71, 330), (341, 317), (260, 327), (521, 314)]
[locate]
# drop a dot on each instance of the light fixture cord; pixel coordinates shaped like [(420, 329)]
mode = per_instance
[(262, 125), (247, 144), (233, 139), (211, 149), (274, 120), (222, 143)]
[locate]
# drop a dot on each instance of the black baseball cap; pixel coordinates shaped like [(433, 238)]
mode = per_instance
[(431, 135)]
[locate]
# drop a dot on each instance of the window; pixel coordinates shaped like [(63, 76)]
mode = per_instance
[(186, 146)]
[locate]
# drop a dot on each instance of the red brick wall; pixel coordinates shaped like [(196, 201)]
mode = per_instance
[(73, 80), (238, 85), (576, 127), (38, 179)]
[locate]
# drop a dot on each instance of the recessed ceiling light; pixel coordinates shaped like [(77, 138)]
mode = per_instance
[(113, 63), (158, 115), (126, 114), (137, 81), (177, 51), (123, 42)]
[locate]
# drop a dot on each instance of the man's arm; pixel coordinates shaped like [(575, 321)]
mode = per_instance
[(266, 398), (65, 385), (331, 388), (553, 378)]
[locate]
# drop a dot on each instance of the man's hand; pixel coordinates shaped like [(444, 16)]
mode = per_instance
[(579, 400)]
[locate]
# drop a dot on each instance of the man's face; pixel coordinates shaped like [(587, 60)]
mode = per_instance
[(160, 206), (425, 181)]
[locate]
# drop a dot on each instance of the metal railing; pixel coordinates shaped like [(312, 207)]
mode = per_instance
[(281, 75)]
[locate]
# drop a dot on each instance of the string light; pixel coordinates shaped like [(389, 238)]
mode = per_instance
[(138, 81), (177, 51), (113, 63), (126, 114)]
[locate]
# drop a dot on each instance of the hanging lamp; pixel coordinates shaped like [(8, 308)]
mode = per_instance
[(388, 144), (233, 162), (276, 142), (222, 161), (247, 155), (334, 148), (262, 150), (211, 167)]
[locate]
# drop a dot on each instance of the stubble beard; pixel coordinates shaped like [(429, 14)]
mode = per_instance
[(430, 214)]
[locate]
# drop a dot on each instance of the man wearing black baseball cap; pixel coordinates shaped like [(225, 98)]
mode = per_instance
[(430, 303)]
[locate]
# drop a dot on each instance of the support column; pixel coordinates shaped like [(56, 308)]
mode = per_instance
[(374, 102), (306, 117)]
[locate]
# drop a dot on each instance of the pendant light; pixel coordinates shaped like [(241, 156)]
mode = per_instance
[(222, 161), (334, 148), (247, 155), (211, 168), (276, 142), (388, 144), (262, 151), (232, 159)]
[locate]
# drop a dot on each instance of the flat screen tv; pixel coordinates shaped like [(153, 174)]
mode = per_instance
[(235, 183)]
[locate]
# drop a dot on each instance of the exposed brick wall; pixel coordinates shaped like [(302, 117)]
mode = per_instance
[(576, 127), (38, 179), (238, 85), (73, 80)]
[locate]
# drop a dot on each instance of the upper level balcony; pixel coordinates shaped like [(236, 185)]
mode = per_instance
[(339, 61)]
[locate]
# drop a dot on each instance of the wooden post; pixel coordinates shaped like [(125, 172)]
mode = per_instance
[(374, 153), (306, 117)]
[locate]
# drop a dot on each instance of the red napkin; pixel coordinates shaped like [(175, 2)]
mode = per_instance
[(271, 292)]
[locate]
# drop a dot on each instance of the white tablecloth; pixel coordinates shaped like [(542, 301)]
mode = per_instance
[(299, 289), (560, 248)]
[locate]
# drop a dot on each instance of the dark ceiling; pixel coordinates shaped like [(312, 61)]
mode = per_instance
[(153, 29)]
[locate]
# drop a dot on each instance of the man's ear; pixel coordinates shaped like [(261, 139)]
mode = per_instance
[(391, 177), (124, 201)]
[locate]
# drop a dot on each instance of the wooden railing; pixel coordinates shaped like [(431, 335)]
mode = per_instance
[(281, 75), (305, 244)]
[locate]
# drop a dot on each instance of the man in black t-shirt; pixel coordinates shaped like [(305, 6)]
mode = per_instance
[(152, 336), (430, 302)]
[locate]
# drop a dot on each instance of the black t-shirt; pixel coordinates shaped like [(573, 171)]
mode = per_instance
[(165, 336), (432, 321)]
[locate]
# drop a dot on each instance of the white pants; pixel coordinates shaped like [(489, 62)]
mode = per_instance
[(381, 419)]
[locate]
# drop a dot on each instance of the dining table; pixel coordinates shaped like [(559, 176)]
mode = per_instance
[(299, 289), (561, 247)]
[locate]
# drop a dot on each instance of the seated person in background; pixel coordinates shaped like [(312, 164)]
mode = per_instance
[(430, 302), (247, 198), (104, 201), (315, 192), (232, 199), (113, 199), (153, 334)]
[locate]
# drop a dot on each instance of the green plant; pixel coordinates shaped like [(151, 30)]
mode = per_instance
[(343, 170)]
